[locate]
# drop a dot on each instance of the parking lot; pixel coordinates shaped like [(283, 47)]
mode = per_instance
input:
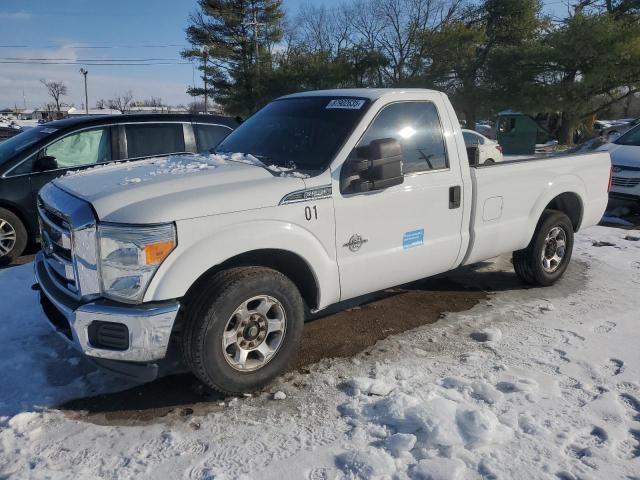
[(543, 361), (343, 331)]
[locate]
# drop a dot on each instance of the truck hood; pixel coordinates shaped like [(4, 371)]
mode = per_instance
[(177, 187), (622, 155)]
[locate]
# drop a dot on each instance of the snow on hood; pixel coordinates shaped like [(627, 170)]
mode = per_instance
[(622, 155), (175, 187)]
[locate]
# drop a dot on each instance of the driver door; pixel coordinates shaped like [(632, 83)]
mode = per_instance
[(409, 231)]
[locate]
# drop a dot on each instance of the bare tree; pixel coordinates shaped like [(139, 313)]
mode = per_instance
[(101, 104), (405, 22), (121, 102), (56, 90), (198, 107), (151, 102), (325, 30)]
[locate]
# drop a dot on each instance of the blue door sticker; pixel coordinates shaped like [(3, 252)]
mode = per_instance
[(415, 238)]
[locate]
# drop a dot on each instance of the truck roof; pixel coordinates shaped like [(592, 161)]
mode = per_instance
[(370, 93)]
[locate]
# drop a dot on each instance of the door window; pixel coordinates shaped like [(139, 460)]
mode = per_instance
[(146, 139), (416, 126), (209, 136), (471, 138), (81, 149)]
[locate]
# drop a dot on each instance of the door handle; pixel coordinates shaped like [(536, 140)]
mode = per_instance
[(455, 194)]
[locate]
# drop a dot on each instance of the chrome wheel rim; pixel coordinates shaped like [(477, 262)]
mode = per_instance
[(7, 237), (254, 333), (554, 249)]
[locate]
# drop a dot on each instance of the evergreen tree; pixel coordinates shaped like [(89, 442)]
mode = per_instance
[(466, 52), (235, 39), (580, 67)]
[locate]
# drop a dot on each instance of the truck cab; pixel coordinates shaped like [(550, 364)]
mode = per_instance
[(319, 197)]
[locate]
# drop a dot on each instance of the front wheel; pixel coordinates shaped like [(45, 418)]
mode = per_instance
[(13, 236), (242, 329), (548, 254)]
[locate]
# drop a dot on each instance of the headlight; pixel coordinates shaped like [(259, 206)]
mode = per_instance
[(129, 256)]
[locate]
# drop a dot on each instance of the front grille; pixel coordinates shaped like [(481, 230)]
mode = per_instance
[(56, 241), (625, 181)]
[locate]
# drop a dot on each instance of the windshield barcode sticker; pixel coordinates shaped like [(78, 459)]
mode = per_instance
[(346, 103)]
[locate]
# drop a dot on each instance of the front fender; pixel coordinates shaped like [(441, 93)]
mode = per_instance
[(206, 242)]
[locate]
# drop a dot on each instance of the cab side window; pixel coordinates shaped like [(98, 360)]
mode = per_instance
[(209, 136), (417, 127), (148, 139), (81, 149)]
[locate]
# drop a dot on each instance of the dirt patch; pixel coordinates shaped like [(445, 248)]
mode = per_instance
[(341, 331), (348, 332)]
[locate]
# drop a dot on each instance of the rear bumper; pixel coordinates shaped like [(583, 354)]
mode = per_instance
[(142, 331)]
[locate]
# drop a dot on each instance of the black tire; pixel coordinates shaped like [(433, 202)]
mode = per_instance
[(9, 222), (489, 161), (209, 310), (528, 263)]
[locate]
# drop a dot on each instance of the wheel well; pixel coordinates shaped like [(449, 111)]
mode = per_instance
[(284, 261), (18, 213), (570, 204)]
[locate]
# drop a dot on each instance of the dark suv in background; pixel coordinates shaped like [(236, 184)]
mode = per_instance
[(38, 155)]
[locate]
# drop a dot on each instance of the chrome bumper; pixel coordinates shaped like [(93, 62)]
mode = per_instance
[(149, 325)]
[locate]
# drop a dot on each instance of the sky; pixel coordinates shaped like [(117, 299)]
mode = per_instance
[(123, 29)]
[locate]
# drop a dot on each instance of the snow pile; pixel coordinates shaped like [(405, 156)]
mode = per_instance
[(426, 426), (505, 390), (9, 123)]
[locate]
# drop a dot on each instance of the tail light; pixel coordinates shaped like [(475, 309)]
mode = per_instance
[(499, 147), (610, 179)]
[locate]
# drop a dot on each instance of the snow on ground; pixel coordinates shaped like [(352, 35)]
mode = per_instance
[(534, 383)]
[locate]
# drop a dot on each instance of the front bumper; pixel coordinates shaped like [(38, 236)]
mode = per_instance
[(148, 326)]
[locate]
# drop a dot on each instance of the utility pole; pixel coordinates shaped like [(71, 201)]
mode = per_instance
[(255, 42), (86, 95), (255, 24), (205, 54)]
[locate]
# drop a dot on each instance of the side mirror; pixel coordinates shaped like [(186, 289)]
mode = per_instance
[(374, 167), (45, 163)]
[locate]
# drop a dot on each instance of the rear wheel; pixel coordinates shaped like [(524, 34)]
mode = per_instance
[(489, 161), (13, 236), (241, 330), (548, 254)]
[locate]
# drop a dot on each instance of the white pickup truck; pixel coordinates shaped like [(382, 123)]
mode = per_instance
[(317, 198)]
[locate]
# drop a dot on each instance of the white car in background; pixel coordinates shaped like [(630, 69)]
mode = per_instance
[(490, 150), (619, 127), (625, 166)]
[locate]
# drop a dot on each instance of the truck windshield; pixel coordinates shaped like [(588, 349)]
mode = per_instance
[(303, 133), (631, 138), (16, 144)]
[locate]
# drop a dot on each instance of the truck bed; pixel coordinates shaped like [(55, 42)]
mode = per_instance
[(509, 197)]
